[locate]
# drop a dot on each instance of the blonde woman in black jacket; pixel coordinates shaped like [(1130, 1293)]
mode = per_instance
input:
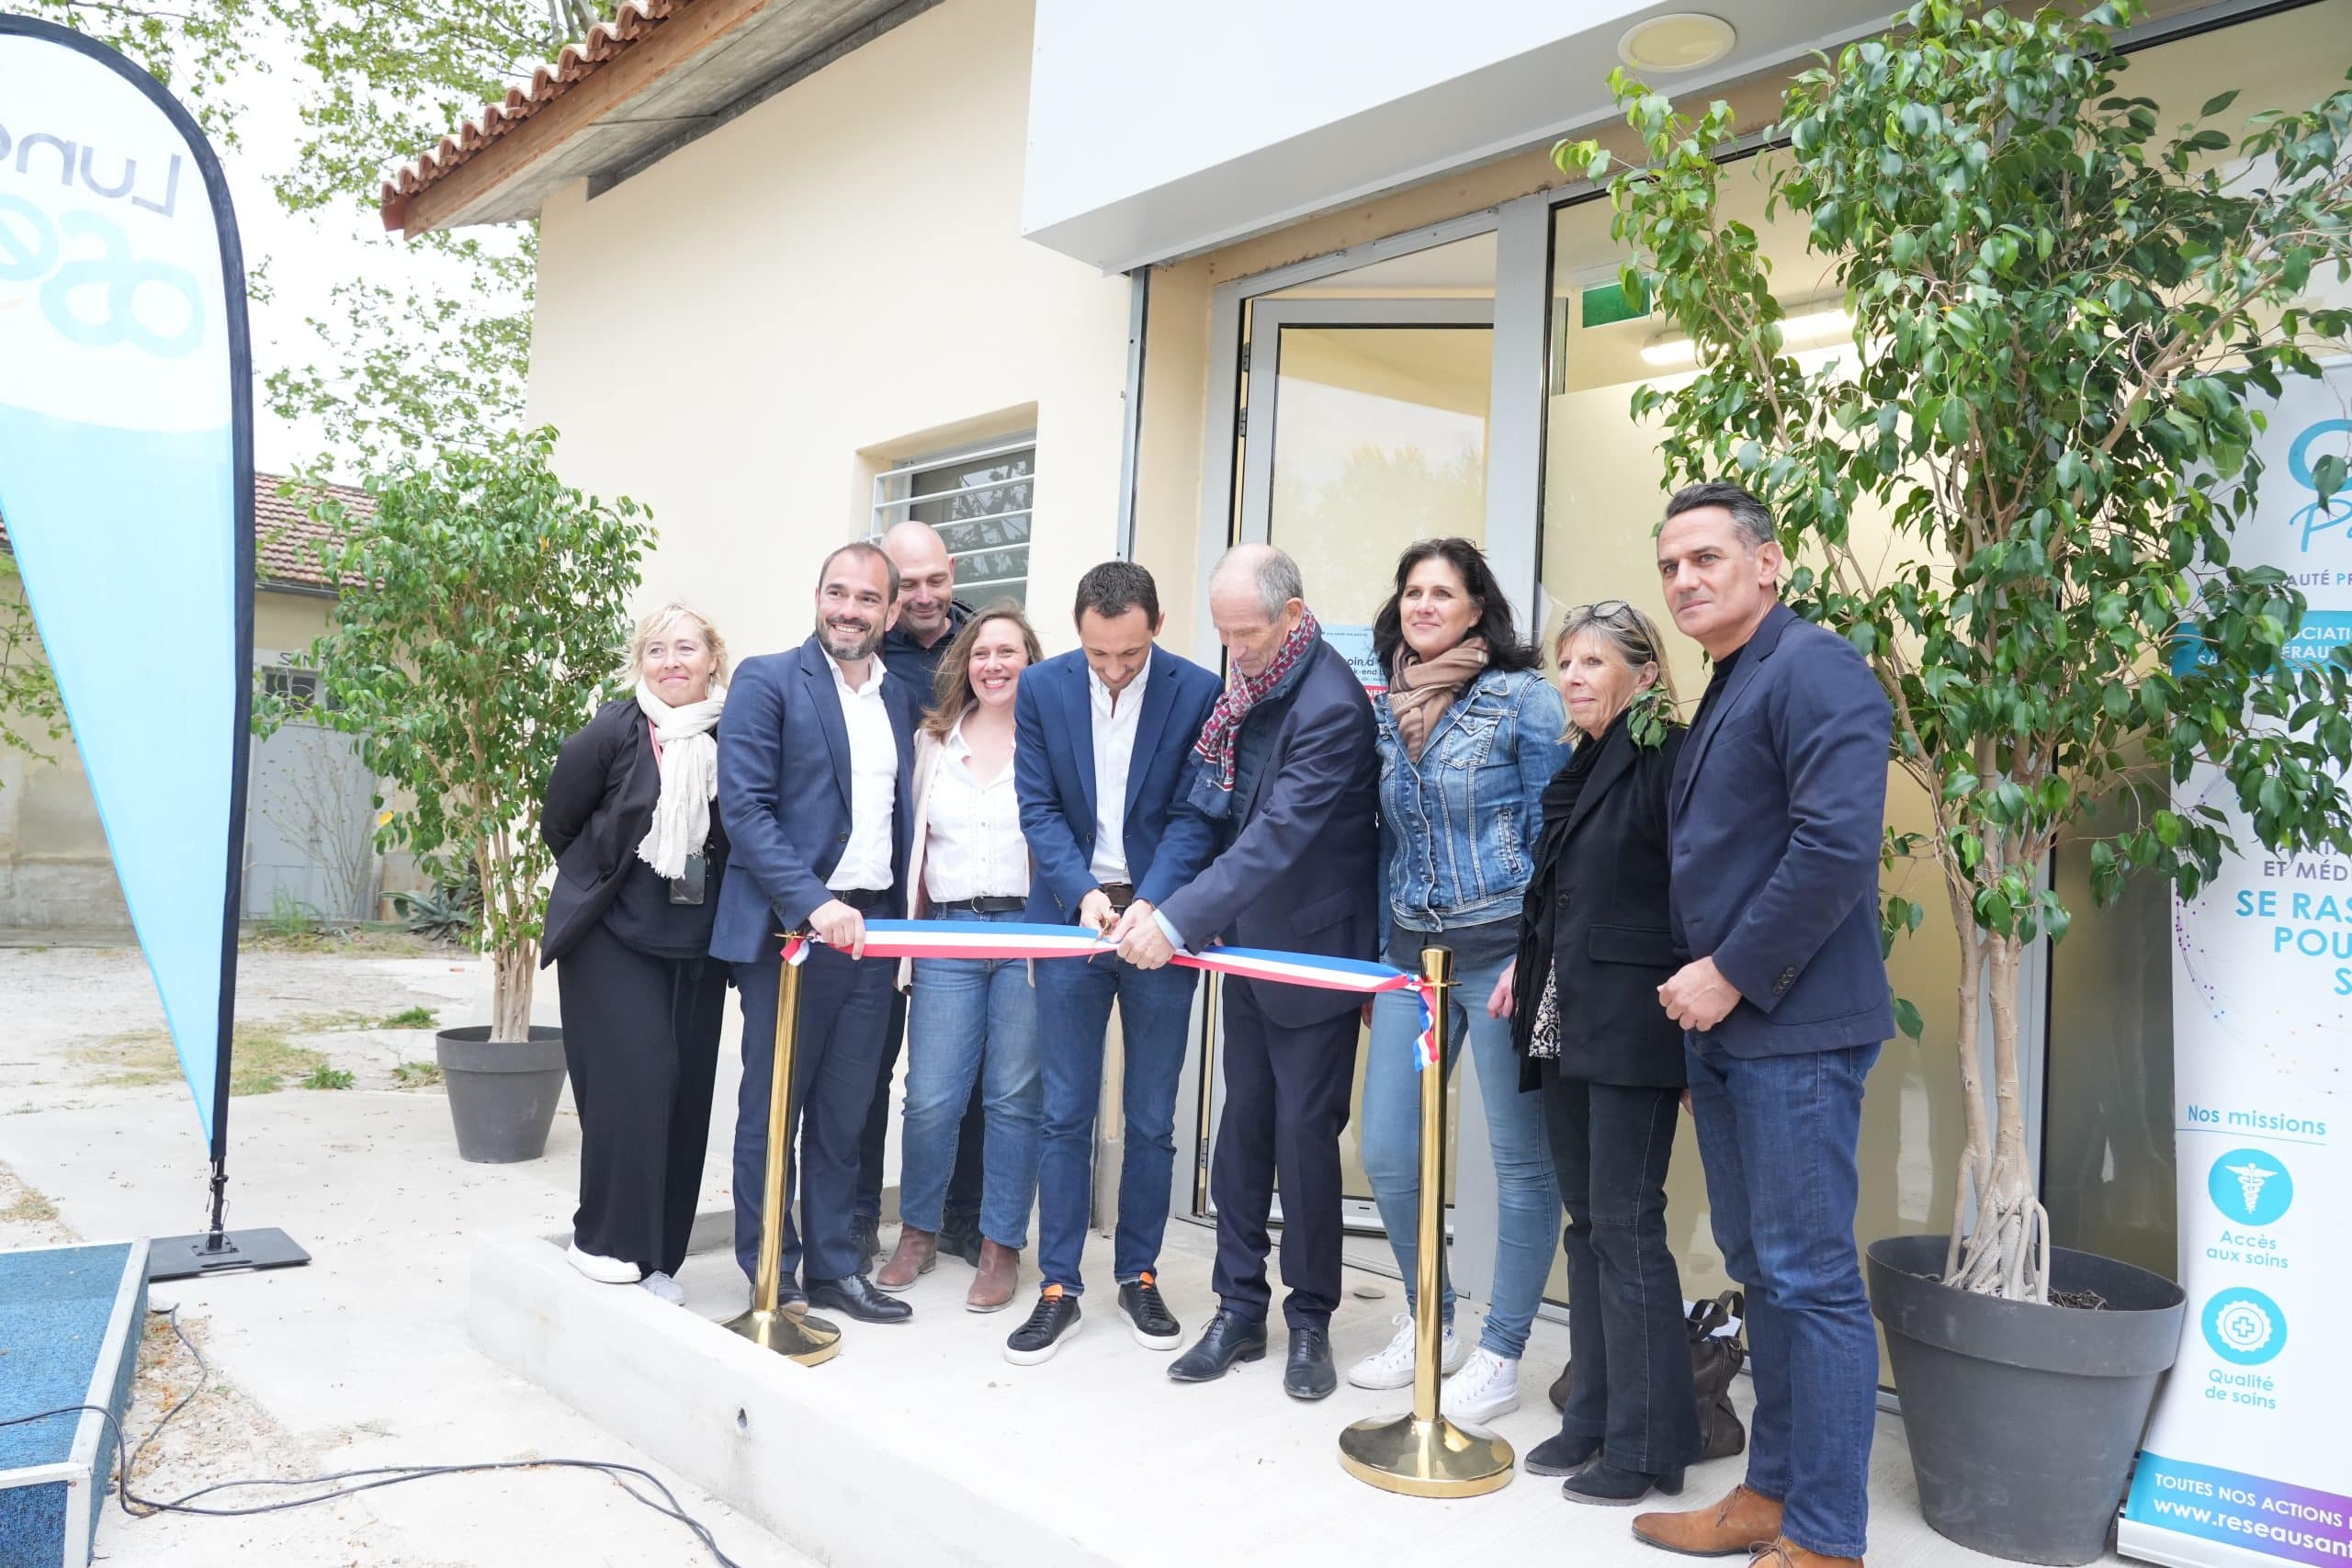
[(640, 855), (1594, 944)]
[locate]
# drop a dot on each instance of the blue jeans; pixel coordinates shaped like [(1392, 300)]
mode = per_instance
[(972, 1020), (1528, 1194), (1778, 1137), (1073, 1010)]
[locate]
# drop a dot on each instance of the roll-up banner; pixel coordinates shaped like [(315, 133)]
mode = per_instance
[(2246, 1460), (126, 485)]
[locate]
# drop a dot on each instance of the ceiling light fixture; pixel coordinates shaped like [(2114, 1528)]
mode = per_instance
[(1679, 40)]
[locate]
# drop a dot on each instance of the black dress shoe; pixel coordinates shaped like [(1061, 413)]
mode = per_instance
[(1310, 1373), (1560, 1454), (1602, 1483), (857, 1297), (1228, 1339)]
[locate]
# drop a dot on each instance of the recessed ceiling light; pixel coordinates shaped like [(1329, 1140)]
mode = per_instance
[(1679, 40)]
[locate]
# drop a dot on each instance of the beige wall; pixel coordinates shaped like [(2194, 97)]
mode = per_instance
[(741, 335), (55, 870)]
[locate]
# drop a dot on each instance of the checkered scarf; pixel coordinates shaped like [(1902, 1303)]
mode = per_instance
[(1242, 693)]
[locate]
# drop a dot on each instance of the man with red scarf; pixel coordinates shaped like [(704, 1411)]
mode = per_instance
[(1288, 768)]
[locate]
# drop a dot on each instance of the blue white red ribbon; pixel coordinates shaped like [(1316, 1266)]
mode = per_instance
[(990, 939)]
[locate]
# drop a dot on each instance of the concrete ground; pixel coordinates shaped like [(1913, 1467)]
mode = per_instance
[(367, 1356), (361, 1359)]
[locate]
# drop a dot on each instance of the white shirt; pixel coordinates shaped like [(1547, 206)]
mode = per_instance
[(1115, 751), (873, 782), (972, 843)]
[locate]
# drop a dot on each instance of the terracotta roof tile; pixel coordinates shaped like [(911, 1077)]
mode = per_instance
[(631, 22), (284, 532)]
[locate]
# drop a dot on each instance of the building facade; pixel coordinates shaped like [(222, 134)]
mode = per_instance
[(1077, 281)]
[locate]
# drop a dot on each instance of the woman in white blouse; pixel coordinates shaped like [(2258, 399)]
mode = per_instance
[(970, 1018)]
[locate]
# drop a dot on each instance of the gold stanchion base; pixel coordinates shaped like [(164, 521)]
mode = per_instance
[(1424, 1458), (793, 1335)]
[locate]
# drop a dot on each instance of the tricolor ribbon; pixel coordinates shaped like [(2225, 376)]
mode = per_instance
[(968, 939)]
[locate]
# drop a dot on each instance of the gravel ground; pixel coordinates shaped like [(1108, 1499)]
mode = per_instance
[(98, 1140)]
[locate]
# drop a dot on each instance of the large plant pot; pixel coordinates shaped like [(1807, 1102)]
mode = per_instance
[(2023, 1419), (503, 1095)]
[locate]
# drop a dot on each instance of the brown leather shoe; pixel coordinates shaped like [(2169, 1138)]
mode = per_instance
[(1782, 1553), (999, 1276), (917, 1253), (1742, 1523)]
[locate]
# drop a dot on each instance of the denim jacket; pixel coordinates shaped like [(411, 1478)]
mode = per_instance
[(1458, 828)]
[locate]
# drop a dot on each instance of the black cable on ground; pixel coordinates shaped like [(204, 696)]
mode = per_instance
[(384, 1475)]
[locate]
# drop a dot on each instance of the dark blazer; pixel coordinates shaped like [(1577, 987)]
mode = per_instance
[(784, 796), (1053, 767), (1303, 873), (1612, 942), (1777, 812), (599, 805)]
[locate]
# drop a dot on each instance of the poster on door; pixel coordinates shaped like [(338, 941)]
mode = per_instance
[(2244, 1461)]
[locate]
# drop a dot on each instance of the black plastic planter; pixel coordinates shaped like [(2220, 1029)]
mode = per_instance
[(503, 1095), (2023, 1419)]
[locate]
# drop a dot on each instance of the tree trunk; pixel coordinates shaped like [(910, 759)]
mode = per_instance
[(512, 971), (2006, 1251)]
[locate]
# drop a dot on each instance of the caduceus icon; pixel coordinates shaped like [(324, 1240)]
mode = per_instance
[(2251, 1176)]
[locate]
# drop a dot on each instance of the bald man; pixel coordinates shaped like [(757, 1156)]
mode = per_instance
[(1287, 771), (928, 618)]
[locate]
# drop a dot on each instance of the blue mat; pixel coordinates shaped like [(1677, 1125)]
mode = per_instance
[(56, 1304)]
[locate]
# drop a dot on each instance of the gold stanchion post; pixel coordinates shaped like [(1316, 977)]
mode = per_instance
[(1208, 1099), (789, 1332), (1423, 1454)]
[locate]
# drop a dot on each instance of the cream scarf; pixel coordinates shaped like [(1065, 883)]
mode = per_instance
[(689, 778)]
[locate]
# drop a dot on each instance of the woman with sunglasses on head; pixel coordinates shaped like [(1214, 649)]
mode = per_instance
[(1594, 944), (1470, 732)]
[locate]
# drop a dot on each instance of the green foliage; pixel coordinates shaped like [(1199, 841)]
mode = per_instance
[(196, 48), (409, 1018), (30, 709), (2061, 315), (416, 1075), (482, 606), (324, 1077)]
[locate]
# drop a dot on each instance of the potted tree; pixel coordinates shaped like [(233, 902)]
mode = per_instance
[(481, 608), (2061, 315)]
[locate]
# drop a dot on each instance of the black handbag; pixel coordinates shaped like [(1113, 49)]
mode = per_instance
[(1715, 1360)]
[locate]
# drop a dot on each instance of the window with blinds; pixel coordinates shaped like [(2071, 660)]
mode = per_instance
[(979, 501)]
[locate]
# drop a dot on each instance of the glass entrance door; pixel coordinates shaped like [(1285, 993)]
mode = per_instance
[(1366, 429)]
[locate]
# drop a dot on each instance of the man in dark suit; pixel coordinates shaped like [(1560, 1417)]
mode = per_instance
[(1775, 816), (1100, 770), (1288, 766), (815, 766)]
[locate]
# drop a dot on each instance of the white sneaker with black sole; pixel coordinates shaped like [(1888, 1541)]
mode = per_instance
[(1392, 1365)]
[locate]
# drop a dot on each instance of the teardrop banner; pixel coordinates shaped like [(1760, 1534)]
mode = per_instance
[(126, 485)]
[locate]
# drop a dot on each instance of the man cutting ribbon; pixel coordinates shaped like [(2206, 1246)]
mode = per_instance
[(1288, 768)]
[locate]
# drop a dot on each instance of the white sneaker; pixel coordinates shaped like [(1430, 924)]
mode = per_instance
[(665, 1288), (1487, 1386), (1393, 1367), (604, 1270)]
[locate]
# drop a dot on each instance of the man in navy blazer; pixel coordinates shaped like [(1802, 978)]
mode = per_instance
[(1099, 766), (1288, 766), (816, 762), (1775, 818)]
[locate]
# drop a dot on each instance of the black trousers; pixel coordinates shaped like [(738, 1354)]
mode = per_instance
[(1632, 1390), (1286, 1105), (844, 1008), (964, 1181), (640, 1042)]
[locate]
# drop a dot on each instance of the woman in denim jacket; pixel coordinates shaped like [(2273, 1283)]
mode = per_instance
[(1470, 734)]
